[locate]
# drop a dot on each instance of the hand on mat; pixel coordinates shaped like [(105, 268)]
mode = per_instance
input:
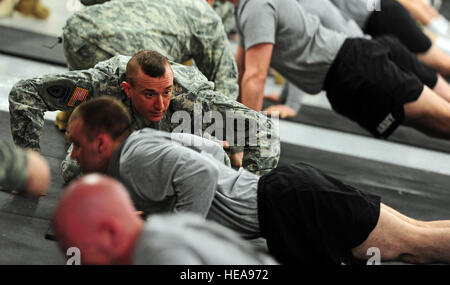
[(282, 111), (235, 158), (274, 97)]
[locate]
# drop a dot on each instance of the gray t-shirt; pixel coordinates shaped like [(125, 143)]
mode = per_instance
[(331, 18), (172, 172), (303, 49), (190, 240), (358, 10)]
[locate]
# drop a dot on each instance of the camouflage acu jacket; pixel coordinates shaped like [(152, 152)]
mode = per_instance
[(194, 108)]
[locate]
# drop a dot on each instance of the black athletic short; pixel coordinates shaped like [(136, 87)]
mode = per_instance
[(370, 81), (394, 19), (308, 217)]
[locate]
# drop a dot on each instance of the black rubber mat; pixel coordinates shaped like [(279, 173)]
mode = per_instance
[(328, 119), (25, 223), (22, 241), (31, 45)]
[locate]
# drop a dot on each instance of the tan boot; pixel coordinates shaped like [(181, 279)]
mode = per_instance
[(188, 62), (33, 8), (61, 120), (6, 8)]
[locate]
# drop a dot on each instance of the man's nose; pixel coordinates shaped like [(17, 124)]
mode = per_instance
[(159, 103)]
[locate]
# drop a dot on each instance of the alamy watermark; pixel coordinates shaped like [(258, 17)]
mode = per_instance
[(373, 5), (74, 256), (239, 128)]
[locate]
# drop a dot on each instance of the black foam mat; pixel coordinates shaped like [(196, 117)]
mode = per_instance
[(328, 119), (22, 241), (25, 223), (31, 45)]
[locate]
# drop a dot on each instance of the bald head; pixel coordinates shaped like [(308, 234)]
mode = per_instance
[(96, 215)]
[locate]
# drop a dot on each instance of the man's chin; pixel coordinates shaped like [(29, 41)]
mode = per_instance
[(154, 119)]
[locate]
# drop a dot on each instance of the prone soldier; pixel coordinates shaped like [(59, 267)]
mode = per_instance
[(188, 91)]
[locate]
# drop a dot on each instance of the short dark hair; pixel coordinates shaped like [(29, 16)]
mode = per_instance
[(104, 114), (150, 62)]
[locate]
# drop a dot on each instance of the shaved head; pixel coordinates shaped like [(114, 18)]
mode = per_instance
[(96, 215)]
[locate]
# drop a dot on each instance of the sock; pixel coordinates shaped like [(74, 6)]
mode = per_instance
[(443, 44), (439, 26)]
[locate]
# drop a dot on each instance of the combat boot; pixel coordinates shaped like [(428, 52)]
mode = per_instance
[(61, 120)]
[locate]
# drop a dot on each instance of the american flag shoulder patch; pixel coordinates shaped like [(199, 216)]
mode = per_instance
[(78, 97)]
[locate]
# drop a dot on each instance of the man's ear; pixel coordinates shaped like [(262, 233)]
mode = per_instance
[(104, 143), (107, 233), (126, 88)]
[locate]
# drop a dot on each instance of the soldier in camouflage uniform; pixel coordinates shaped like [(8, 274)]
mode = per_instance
[(29, 99), (180, 30), (15, 174)]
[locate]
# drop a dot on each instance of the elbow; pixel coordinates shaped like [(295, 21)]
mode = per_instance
[(22, 94), (255, 78)]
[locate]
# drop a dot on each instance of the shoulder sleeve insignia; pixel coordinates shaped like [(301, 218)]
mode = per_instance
[(58, 91), (78, 97)]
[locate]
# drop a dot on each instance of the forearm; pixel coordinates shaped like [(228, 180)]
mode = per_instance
[(26, 109), (252, 91)]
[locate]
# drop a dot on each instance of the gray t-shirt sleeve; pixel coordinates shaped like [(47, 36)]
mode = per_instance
[(200, 144), (172, 171), (190, 240), (258, 27)]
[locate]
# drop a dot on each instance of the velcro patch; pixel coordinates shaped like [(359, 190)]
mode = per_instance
[(58, 91), (78, 97)]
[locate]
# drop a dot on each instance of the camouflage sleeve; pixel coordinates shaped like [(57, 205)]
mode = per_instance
[(70, 169), (225, 10), (29, 99), (200, 110), (214, 57), (13, 166)]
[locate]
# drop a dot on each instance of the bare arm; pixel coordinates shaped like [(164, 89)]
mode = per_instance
[(240, 61), (257, 61)]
